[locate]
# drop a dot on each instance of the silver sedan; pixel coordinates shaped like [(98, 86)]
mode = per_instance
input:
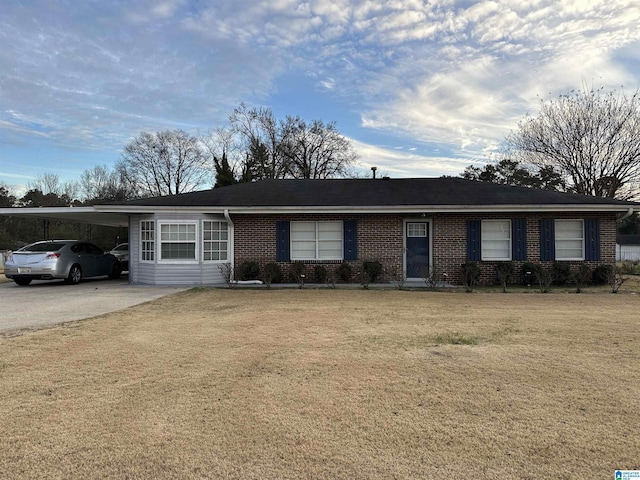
[(71, 260)]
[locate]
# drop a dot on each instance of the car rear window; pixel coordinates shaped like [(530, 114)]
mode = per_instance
[(43, 247)]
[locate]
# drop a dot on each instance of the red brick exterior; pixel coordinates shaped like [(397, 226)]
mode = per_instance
[(381, 238)]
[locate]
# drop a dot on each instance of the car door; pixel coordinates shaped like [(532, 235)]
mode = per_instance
[(100, 262)]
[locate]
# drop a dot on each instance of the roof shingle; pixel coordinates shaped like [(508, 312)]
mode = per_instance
[(372, 193)]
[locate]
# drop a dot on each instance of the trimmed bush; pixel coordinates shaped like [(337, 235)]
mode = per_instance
[(544, 277), (470, 275), (320, 273), (272, 273), (249, 270), (602, 273), (528, 270), (344, 272), (581, 277), (372, 271), (504, 270), (561, 273), (298, 272)]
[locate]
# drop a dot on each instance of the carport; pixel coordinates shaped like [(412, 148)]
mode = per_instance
[(87, 215)]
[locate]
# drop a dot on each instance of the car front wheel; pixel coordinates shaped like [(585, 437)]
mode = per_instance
[(75, 275)]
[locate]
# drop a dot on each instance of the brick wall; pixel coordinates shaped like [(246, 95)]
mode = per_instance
[(380, 237)]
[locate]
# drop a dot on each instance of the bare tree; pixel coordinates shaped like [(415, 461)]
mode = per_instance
[(591, 137), (316, 150), (260, 132), (288, 148), (50, 184), (165, 163), (102, 184)]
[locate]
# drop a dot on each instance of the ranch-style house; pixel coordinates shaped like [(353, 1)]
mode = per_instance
[(408, 225)]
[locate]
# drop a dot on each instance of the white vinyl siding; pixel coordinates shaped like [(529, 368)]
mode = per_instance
[(316, 241), (215, 241), (147, 241), (496, 240), (569, 239), (178, 242)]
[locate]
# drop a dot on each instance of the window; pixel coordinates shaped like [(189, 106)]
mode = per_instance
[(215, 238), (569, 239), (496, 239), (147, 241), (316, 240), (417, 229), (177, 241)]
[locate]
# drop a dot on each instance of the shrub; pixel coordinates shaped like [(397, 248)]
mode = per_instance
[(226, 270), (630, 268), (528, 273), (615, 280), (431, 276), (470, 275), (344, 272), (397, 277), (272, 274), (602, 273), (372, 271), (561, 273), (249, 270), (504, 270), (544, 277), (299, 273), (320, 273), (581, 277)]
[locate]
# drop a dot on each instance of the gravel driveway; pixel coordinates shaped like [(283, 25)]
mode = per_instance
[(47, 303)]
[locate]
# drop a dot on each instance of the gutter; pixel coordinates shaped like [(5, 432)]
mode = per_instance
[(402, 209)]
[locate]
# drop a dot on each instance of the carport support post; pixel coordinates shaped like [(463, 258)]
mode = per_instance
[(45, 229)]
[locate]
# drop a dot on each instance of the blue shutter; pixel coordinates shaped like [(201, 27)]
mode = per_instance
[(547, 240), (283, 249), (350, 233), (519, 239), (592, 239), (473, 240)]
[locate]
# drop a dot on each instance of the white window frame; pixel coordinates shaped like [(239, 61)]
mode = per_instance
[(483, 240), (316, 241), (570, 239), (160, 242), (203, 242), (151, 242)]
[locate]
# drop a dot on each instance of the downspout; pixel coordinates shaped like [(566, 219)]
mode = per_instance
[(231, 237), (626, 215)]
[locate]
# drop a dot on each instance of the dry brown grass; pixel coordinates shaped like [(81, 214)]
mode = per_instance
[(329, 384)]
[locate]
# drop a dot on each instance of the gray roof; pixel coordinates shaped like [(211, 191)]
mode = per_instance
[(372, 193), (628, 239)]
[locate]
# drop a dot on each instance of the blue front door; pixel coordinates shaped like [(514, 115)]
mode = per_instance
[(417, 252)]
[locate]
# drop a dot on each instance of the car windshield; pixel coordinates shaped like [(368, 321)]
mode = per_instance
[(43, 247), (122, 247)]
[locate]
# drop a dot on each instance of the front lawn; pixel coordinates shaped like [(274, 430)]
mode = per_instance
[(329, 384)]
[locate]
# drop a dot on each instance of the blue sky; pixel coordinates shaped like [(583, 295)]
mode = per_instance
[(422, 88)]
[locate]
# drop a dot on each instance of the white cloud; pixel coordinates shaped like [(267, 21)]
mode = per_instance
[(443, 72), (396, 162)]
